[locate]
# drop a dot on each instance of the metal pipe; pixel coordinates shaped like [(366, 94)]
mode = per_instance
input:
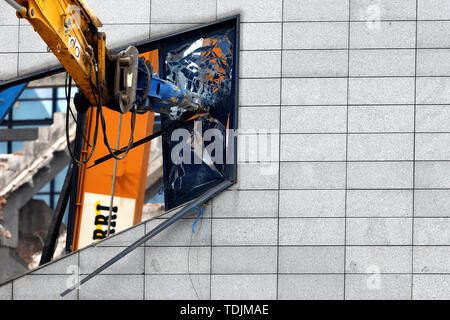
[(15, 5), (113, 186), (187, 209), (53, 231)]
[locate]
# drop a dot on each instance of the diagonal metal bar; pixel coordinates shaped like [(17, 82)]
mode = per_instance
[(52, 235), (119, 152), (180, 214)]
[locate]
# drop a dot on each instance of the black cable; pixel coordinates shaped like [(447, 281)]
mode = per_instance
[(94, 142), (102, 119), (189, 260), (73, 115), (120, 151), (137, 143)]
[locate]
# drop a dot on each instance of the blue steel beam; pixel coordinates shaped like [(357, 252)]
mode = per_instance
[(8, 97)]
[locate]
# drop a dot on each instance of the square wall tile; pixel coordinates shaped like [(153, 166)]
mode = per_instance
[(119, 12), (431, 231), (177, 287), (380, 175), (229, 260), (246, 204), (433, 10), (368, 10), (314, 119), (431, 287), (312, 231), (312, 203), (430, 259), (372, 259), (259, 92), (432, 203), (312, 175), (388, 147), (379, 231), (173, 11), (315, 63), (433, 34), (177, 260), (113, 287), (383, 35), (432, 174), (311, 287), (6, 291), (313, 147), (382, 62), (243, 287), (44, 287), (251, 10), (380, 203), (365, 119), (378, 287), (314, 91), (244, 232), (311, 259), (316, 10), (381, 91), (315, 35), (260, 36), (260, 64)]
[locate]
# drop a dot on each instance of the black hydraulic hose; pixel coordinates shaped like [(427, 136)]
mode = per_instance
[(120, 151), (102, 118), (94, 142)]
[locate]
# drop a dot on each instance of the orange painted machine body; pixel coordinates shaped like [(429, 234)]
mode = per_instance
[(95, 184)]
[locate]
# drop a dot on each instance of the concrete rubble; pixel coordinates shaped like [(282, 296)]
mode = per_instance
[(19, 168)]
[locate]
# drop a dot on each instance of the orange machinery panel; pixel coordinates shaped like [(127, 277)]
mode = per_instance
[(95, 184)]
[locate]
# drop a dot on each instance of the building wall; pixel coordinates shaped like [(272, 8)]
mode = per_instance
[(353, 201)]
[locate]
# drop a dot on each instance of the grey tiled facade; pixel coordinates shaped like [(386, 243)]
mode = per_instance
[(354, 203)]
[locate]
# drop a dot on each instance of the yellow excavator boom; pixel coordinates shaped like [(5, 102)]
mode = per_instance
[(70, 30)]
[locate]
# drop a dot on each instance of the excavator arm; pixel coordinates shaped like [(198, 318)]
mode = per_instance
[(70, 29)]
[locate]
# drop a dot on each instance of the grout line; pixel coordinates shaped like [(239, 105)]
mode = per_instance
[(304, 49), (145, 253), (150, 24), (212, 216), (277, 294), (341, 161), (408, 133), (323, 189), (261, 273), (414, 160), (307, 217), (363, 77), (78, 275), (351, 49), (273, 273), (335, 189), (18, 47), (281, 21), (342, 105), (346, 144), (210, 250), (309, 245), (296, 246)]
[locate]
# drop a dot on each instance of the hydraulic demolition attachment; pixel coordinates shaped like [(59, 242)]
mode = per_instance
[(162, 96)]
